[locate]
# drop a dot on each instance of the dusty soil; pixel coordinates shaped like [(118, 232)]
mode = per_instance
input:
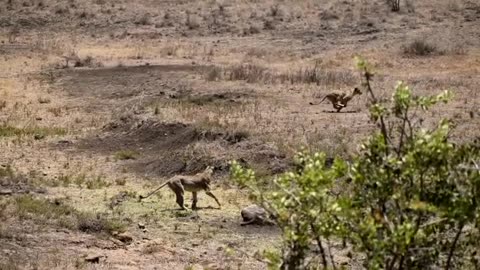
[(158, 88)]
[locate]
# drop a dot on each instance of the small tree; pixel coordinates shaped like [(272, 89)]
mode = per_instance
[(408, 200), (395, 4)]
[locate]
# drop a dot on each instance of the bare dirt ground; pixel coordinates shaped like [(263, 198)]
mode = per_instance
[(102, 100)]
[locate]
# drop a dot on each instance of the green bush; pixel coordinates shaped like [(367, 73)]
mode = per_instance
[(408, 200)]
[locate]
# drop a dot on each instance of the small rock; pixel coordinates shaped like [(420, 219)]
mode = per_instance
[(254, 214), (124, 237), (63, 231), (141, 225), (93, 258), (116, 242), (213, 266), (4, 192), (38, 136), (38, 118), (64, 142)]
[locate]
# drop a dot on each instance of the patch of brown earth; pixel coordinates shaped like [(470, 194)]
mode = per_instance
[(163, 147), (123, 82)]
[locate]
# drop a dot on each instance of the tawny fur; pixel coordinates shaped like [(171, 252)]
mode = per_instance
[(340, 100), (191, 183)]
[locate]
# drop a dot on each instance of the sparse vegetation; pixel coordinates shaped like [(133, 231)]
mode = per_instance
[(192, 21), (44, 211), (145, 19), (214, 74), (91, 223), (126, 154), (394, 4), (85, 62), (252, 73), (3, 104), (121, 181), (420, 48), (10, 131)]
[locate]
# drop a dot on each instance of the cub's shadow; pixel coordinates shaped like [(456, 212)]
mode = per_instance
[(326, 111), (196, 209)]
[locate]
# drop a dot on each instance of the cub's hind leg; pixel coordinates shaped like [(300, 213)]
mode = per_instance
[(179, 193)]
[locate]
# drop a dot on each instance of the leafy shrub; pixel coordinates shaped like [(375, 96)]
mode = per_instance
[(408, 200)]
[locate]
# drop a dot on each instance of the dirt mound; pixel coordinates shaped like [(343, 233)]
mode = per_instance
[(165, 149), (144, 135)]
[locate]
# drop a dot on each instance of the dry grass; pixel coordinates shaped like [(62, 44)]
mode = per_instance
[(45, 212), (254, 73), (126, 154), (420, 48), (37, 132)]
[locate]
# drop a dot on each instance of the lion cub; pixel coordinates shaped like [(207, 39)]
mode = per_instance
[(340, 100), (191, 183)]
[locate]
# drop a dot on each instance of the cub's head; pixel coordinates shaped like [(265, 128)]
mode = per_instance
[(206, 174), (208, 171)]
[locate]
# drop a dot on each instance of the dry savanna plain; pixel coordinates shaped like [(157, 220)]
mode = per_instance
[(103, 100)]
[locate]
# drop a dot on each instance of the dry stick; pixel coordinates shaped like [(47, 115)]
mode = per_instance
[(320, 246), (417, 223), (454, 245), (375, 101), (403, 131), (383, 129), (330, 254)]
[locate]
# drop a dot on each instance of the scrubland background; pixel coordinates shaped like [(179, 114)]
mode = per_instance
[(102, 100)]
